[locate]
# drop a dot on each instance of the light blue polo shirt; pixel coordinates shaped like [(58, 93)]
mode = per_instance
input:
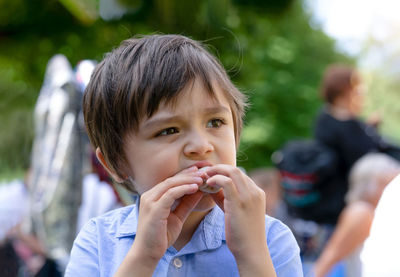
[(103, 243)]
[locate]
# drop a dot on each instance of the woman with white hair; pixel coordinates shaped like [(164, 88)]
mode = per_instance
[(367, 180)]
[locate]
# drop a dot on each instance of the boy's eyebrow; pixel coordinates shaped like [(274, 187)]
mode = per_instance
[(166, 119), (217, 109), (154, 122)]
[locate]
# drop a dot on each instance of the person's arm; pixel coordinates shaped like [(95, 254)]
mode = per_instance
[(351, 231), (244, 205), (374, 120)]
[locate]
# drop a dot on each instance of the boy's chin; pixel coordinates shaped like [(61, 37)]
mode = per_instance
[(206, 203)]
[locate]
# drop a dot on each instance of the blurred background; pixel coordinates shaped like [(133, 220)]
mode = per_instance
[(274, 50)]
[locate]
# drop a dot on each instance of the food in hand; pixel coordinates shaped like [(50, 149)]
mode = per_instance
[(205, 187)]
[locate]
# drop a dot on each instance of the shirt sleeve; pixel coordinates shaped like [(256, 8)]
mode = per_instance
[(284, 250), (84, 260)]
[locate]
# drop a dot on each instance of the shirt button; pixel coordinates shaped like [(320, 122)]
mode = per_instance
[(177, 263)]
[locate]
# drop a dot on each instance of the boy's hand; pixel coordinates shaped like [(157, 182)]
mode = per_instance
[(244, 205), (158, 226)]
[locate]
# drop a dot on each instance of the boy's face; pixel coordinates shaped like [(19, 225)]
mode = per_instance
[(197, 130)]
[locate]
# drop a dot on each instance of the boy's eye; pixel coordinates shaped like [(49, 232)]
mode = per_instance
[(215, 123), (168, 131)]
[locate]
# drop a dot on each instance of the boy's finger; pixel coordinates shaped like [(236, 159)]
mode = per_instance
[(188, 170), (187, 204), (227, 184), (159, 190), (234, 173), (224, 169), (168, 198)]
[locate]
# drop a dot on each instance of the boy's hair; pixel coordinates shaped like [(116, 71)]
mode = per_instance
[(135, 78), (338, 79)]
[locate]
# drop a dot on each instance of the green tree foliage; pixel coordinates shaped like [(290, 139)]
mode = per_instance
[(269, 48), (382, 98), (283, 61)]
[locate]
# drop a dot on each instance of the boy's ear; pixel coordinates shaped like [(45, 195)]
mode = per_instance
[(103, 162)]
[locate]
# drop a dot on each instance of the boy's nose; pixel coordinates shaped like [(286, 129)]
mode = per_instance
[(198, 145)]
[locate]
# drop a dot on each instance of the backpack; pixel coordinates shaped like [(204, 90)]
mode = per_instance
[(308, 169)]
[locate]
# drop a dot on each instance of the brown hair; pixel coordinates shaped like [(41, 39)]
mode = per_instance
[(338, 79), (135, 78)]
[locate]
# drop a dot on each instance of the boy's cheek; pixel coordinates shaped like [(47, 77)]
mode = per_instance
[(153, 180)]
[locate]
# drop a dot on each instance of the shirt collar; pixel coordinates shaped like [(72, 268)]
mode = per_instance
[(214, 228), (209, 235), (129, 223)]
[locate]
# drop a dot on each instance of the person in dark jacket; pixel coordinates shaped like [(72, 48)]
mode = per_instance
[(339, 125), (340, 128)]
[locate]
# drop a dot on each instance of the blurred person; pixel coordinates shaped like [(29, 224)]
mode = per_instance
[(59, 158), (13, 208), (57, 161), (367, 180), (21, 252), (308, 179), (42, 241), (269, 180), (14, 199), (340, 127)]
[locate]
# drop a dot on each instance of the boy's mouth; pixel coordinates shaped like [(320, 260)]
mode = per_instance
[(201, 164)]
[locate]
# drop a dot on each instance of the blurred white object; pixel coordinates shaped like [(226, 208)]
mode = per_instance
[(98, 197), (380, 256), (13, 206), (114, 9), (83, 72), (56, 167)]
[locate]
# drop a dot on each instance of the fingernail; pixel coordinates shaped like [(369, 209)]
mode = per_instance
[(204, 169), (189, 169), (198, 173), (198, 180), (194, 185)]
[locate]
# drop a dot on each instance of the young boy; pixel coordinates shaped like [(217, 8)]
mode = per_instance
[(165, 119)]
